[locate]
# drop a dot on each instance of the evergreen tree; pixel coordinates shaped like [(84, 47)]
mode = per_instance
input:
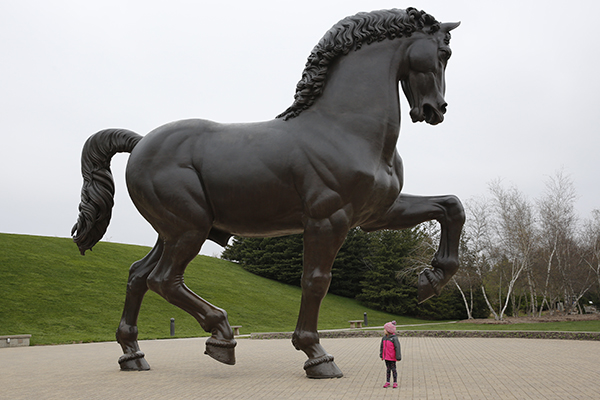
[(277, 258), (350, 264), (384, 286)]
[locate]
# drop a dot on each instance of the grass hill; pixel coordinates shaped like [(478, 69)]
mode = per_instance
[(49, 290)]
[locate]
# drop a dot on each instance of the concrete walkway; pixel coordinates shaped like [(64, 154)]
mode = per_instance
[(432, 368)]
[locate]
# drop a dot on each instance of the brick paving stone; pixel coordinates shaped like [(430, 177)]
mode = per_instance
[(432, 368)]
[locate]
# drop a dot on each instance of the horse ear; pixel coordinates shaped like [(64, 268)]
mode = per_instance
[(448, 26)]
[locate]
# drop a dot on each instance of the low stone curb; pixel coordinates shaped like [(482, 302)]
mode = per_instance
[(14, 340), (443, 334)]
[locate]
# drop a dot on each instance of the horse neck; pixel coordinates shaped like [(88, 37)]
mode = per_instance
[(361, 94)]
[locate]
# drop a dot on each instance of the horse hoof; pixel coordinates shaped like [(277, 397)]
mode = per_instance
[(133, 362), (426, 289), (221, 350), (322, 368)]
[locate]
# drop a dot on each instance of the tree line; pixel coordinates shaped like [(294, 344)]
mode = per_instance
[(517, 257)]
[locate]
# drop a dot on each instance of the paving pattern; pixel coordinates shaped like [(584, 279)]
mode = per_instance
[(432, 368)]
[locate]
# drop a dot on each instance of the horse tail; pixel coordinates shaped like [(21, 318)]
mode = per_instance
[(97, 193)]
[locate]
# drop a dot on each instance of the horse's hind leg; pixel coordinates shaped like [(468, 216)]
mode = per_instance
[(409, 211), (172, 199), (167, 280), (127, 333)]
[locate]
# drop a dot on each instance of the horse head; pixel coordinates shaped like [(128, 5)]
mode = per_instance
[(423, 78)]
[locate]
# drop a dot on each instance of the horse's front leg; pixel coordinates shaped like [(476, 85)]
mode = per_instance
[(322, 241), (409, 211)]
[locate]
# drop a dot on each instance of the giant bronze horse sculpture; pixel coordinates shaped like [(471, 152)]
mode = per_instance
[(324, 166)]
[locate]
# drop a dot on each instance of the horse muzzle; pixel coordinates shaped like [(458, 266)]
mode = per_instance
[(428, 113)]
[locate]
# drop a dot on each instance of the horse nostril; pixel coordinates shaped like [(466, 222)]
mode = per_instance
[(443, 108)]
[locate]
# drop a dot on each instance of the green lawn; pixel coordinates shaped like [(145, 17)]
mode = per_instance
[(50, 291)]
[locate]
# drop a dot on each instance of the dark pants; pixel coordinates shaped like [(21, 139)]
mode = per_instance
[(391, 367)]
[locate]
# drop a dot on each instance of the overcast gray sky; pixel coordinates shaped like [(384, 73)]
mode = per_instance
[(522, 89)]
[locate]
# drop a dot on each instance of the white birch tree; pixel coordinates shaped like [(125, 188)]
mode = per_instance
[(591, 241), (477, 239), (558, 225), (514, 234)]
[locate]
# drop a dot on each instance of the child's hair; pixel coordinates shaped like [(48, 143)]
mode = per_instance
[(390, 327)]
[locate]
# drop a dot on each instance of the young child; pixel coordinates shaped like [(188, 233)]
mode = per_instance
[(389, 351)]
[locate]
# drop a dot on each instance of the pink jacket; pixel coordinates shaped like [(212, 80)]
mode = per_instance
[(390, 348)]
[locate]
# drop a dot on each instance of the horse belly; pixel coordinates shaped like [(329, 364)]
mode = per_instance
[(256, 210), (251, 197)]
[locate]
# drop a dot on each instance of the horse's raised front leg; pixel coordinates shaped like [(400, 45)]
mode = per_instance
[(409, 211), (322, 241), (127, 333), (167, 280)]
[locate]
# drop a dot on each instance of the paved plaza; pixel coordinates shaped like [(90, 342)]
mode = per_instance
[(432, 368)]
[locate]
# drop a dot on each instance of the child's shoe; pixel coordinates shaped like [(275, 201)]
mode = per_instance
[(395, 385), (387, 384)]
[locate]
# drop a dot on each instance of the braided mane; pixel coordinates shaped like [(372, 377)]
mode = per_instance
[(350, 34)]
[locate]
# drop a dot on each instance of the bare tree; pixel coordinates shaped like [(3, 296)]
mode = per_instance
[(421, 255), (591, 241), (466, 279), (514, 234), (558, 224), (477, 243)]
